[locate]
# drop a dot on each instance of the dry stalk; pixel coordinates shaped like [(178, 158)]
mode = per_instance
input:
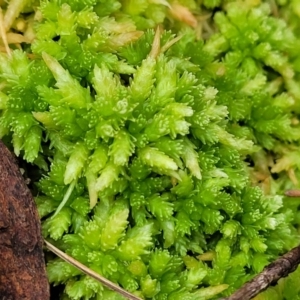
[(278, 269), (90, 272)]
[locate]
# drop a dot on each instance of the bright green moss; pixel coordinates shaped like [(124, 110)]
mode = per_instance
[(149, 137)]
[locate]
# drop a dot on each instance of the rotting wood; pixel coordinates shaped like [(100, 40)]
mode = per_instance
[(22, 268)]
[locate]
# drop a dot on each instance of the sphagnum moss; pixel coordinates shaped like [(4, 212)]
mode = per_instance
[(154, 141)]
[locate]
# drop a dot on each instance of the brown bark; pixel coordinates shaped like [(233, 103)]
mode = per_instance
[(22, 266), (280, 268)]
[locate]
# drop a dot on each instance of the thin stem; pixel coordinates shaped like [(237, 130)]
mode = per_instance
[(90, 272)]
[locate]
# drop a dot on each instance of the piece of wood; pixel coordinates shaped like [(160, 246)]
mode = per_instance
[(280, 268), (22, 267)]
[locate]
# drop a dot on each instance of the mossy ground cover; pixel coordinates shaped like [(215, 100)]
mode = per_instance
[(159, 137)]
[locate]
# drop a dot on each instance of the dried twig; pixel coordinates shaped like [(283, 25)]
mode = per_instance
[(278, 269), (90, 272)]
